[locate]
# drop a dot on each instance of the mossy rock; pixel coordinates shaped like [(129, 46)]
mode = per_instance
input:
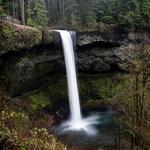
[(38, 101), (48, 36), (100, 89), (95, 91), (16, 37)]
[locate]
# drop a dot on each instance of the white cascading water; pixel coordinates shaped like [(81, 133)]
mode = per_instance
[(76, 121), (71, 76)]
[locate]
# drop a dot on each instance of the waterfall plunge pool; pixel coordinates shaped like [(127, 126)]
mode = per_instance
[(106, 133)]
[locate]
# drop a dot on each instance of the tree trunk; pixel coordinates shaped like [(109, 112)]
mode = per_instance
[(22, 12), (13, 9)]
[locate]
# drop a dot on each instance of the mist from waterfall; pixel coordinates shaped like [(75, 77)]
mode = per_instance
[(76, 122)]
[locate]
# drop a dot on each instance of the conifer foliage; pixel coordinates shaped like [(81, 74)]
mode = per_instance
[(129, 14)]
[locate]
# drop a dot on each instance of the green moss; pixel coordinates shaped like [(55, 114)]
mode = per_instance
[(94, 103), (56, 92), (6, 34), (14, 37), (38, 101), (48, 36), (34, 35), (37, 38), (101, 89), (95, 90)]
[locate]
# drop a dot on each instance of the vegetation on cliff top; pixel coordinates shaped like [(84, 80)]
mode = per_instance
[(127, 14)]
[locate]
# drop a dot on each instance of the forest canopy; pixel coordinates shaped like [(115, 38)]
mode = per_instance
[(128, 14)]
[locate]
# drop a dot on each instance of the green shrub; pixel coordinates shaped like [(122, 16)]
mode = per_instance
[(15, 133)]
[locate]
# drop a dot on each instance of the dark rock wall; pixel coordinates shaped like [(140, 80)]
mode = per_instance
[(33, 68), (28, 71)]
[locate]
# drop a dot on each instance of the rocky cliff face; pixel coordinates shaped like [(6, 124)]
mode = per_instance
[(113, 37), (29, 70), (106, 59), (28, 56)]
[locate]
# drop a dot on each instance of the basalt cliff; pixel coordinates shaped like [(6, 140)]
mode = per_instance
[(29, 56)]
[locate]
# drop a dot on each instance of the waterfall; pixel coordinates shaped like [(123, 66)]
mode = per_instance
[(76, 121), (71, 76)]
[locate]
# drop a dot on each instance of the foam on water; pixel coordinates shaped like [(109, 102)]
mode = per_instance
[(85, 125)]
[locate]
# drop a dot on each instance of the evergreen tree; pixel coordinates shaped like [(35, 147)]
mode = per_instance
[(37, 13), (107, 11), (128, 14), (86, 12), (143, 13), (71, 8), (1, 9)]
